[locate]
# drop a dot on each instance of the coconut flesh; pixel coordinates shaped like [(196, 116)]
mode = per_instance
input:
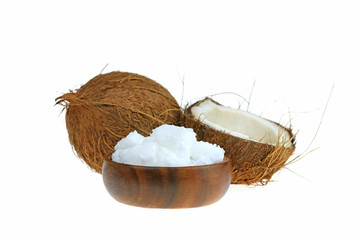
[(240, 123), (257, 147)]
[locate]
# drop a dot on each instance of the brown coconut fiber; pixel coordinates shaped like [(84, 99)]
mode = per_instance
[(252, 162), (110, 106)]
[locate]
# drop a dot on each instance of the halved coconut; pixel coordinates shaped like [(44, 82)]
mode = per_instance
[(256, 146)]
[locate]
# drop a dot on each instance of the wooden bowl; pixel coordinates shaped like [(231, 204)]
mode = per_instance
[(167, 187)]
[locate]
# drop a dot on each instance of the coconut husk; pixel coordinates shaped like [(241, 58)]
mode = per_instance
[(252, 162), (110, 106)]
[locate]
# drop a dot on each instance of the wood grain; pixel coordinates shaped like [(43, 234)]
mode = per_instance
[(167, 187)]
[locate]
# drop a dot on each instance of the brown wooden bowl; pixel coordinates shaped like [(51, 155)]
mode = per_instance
[(167, 187)]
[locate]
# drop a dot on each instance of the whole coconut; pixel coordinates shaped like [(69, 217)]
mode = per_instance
[(110, 106)]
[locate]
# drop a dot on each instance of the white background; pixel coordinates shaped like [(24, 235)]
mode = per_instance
[(294, 51)]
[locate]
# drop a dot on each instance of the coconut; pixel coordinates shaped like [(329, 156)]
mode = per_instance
[(256, 146), (110, 106)]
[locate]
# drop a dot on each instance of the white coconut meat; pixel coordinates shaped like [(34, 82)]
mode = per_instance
[(240, 123)]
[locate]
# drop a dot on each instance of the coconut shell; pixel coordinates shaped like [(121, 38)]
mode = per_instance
[(252, 162), (110, 106)]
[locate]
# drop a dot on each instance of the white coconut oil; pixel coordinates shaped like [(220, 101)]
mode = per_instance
[(167, 146)]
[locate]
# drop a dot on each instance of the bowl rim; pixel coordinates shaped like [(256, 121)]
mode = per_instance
[(225, 161)]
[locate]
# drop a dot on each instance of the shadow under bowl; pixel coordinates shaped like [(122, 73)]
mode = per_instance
[(167, 187)]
